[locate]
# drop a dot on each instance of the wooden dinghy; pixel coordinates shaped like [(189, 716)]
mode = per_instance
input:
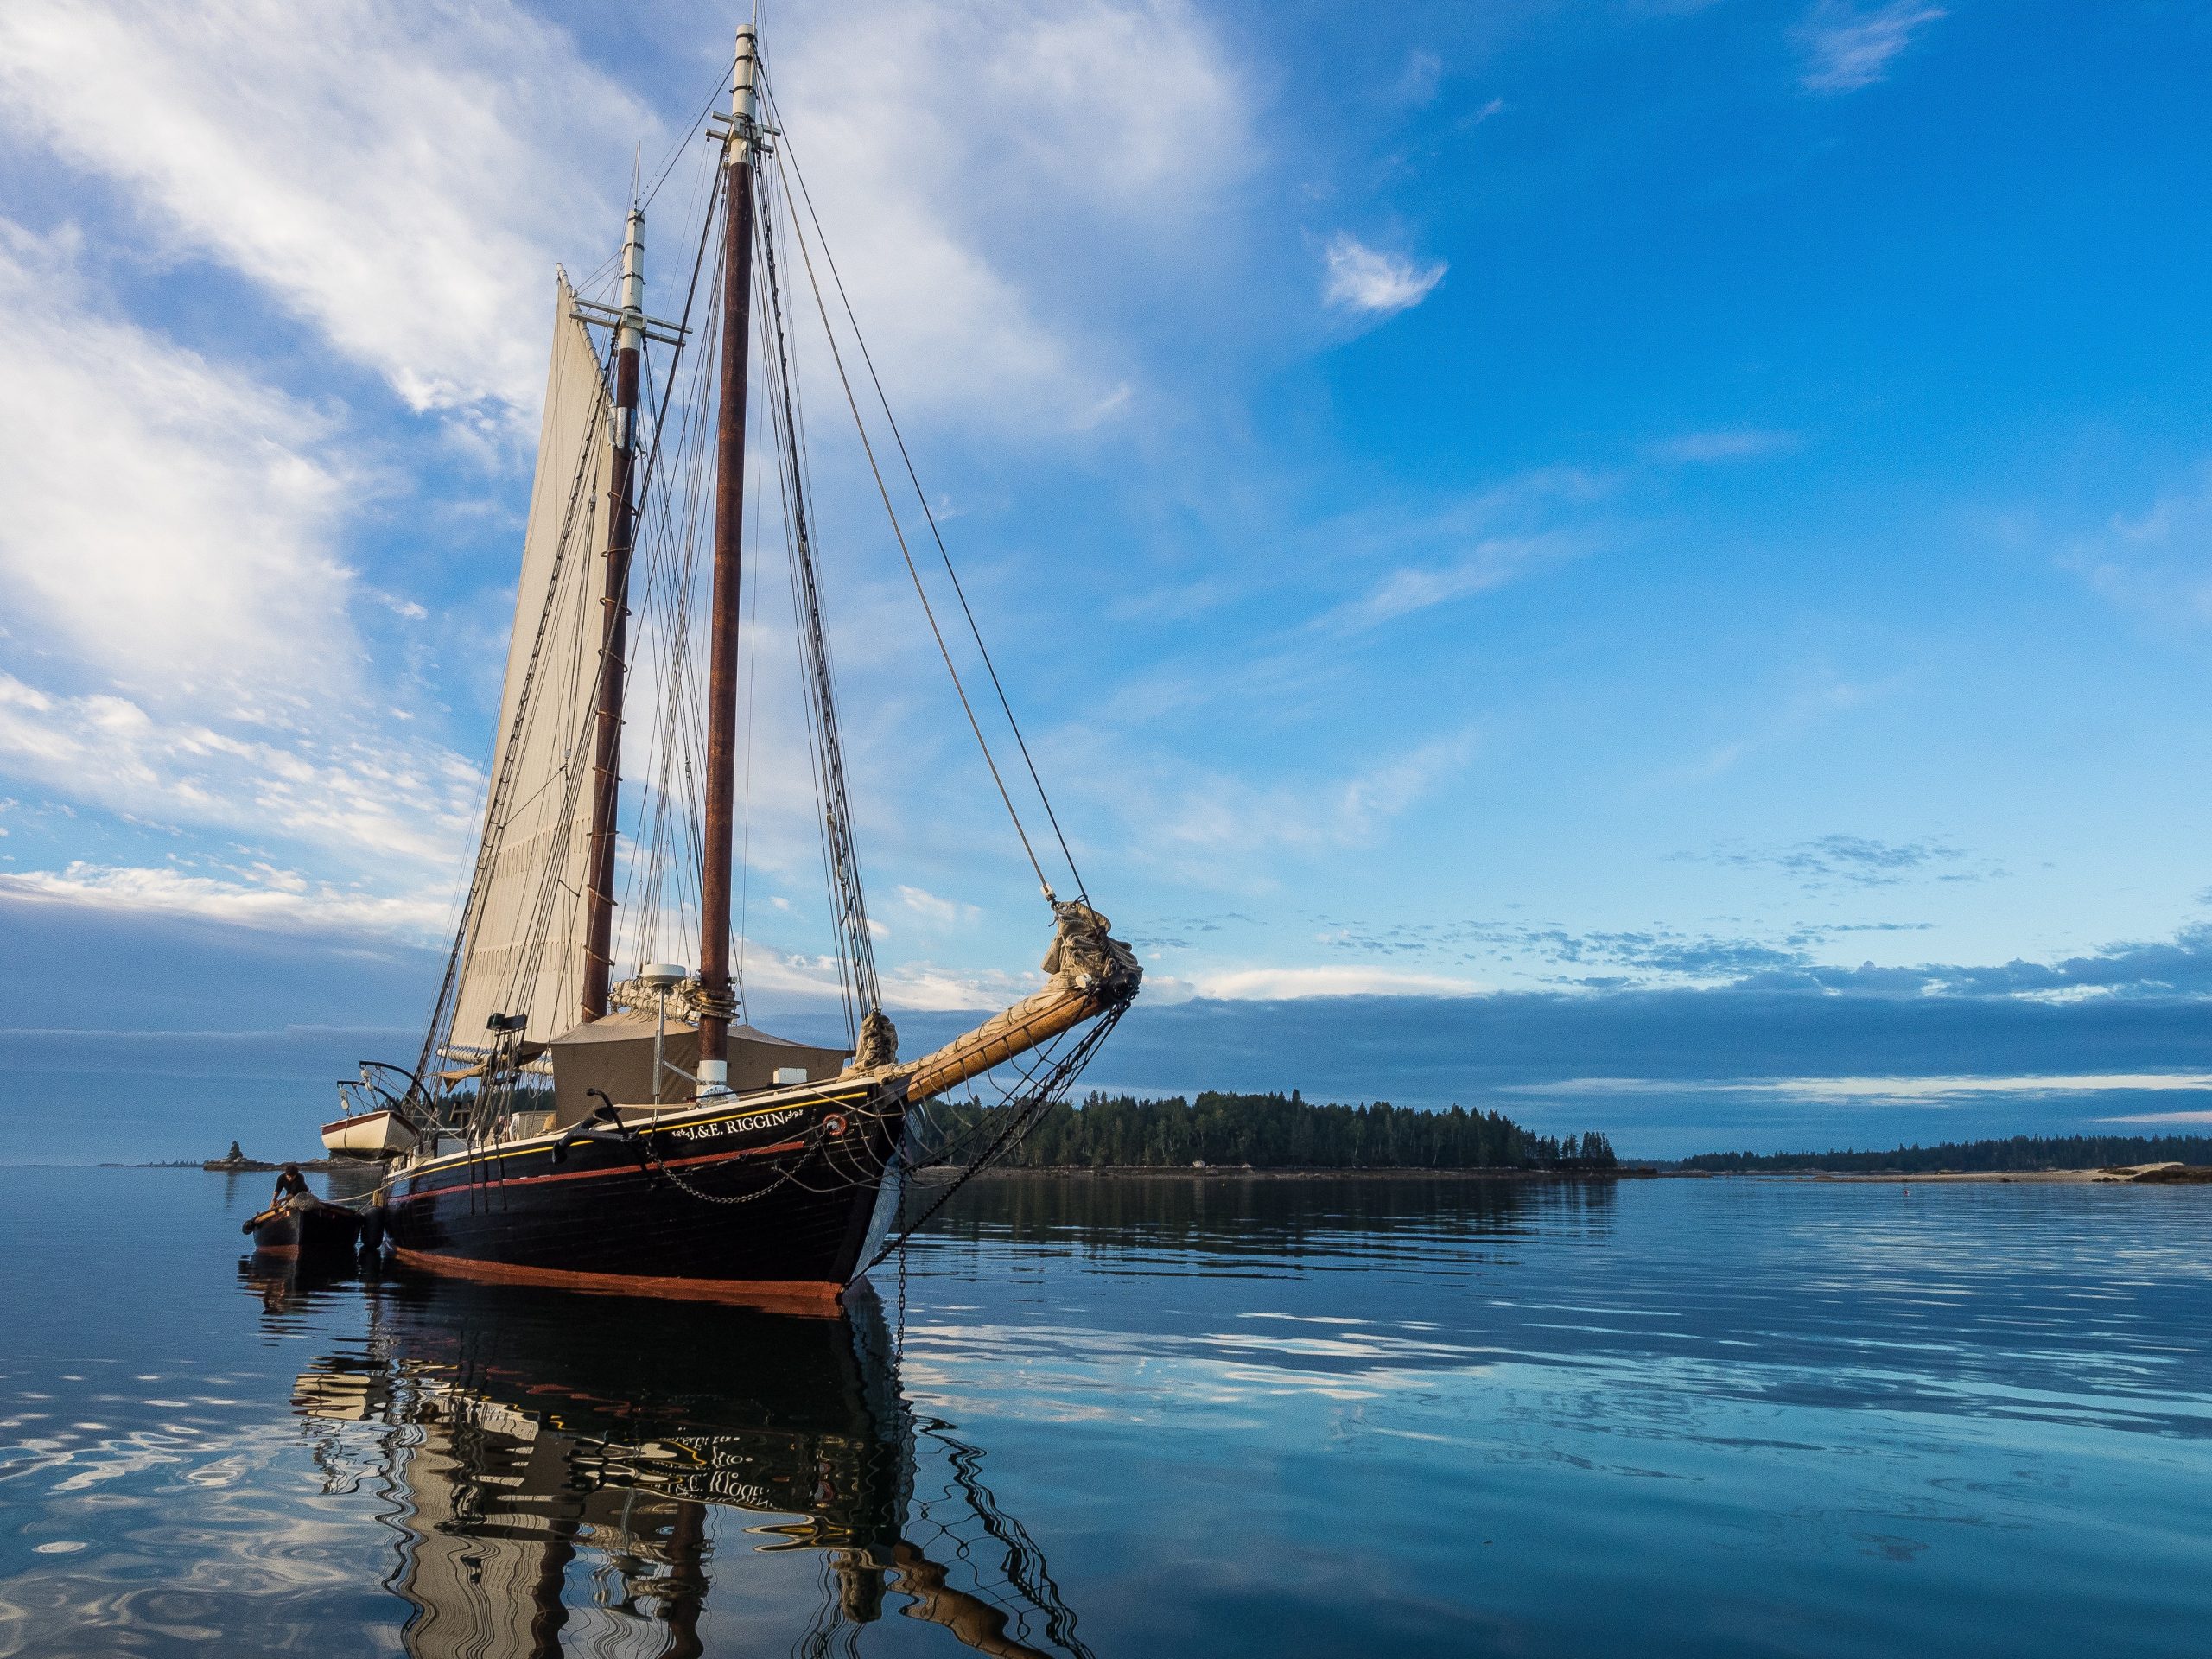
[(305, 1226)]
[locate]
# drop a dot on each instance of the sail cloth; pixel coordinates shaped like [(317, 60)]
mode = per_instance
[(524, 938)]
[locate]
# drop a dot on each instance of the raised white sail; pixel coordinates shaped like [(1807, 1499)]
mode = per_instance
[(523, 954)]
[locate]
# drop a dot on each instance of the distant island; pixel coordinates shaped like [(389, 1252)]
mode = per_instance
[(1272, 1132), (2019, 1153)]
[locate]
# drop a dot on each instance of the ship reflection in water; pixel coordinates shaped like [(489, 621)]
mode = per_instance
[(552, 1462)]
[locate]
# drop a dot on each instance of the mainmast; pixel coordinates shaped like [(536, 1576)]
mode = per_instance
[(606, 747), (729, 517)]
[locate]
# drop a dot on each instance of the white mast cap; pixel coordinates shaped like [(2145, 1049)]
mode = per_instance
[(629, 332), (744, 97)]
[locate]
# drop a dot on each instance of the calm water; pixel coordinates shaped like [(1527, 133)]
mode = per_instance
[(1714, 1417)]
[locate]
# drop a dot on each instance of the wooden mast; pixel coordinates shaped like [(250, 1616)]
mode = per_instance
[(729, 519), (614, 630)]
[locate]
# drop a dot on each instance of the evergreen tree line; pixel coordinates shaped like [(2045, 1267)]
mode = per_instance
[(2021, 1152), (1267, 1132)]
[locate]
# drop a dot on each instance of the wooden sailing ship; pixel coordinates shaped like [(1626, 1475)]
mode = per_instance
[(565, 1127)]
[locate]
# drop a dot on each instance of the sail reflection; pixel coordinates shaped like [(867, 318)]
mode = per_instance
[(564, 1474)]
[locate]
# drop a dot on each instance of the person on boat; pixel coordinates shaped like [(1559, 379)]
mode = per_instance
[(291, 1185)]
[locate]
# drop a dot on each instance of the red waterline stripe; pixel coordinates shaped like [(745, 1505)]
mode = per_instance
[(820, 1298)]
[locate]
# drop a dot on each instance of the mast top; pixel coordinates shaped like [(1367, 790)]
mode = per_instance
[(744, 97), (630, 331)]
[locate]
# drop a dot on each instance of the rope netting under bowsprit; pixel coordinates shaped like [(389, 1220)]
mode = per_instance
[(1024, 1098)]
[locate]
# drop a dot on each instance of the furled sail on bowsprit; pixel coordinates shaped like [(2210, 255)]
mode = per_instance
[(524, 936)]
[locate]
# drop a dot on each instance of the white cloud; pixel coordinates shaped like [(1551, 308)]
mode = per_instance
[(926, 985), (1285, 984), (280, 899), (1361, 278), (170, 543), (401, 177), (1847, 48), (351, 798), (172, 523), (944, 145), (938, 913)]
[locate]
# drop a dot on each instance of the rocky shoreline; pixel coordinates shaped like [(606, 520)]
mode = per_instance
[(235, 1162)]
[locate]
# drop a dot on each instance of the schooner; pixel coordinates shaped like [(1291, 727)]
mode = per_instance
[(568, 1127)]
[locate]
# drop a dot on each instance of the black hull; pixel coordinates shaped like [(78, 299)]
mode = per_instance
[(319, 1232), (763, 1198)]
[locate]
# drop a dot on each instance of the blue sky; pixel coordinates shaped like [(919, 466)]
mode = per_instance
[(1645, 564)]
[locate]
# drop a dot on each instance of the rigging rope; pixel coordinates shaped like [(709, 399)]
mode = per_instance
[(847, 901), (676, 150), (784, 158), (899, 533), (1026, 1116)]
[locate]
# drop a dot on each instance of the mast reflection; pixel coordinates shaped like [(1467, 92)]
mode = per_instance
[(551, 1463)]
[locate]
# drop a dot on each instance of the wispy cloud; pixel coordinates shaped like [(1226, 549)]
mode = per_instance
[(278, 898), (1291, 984), (185, 649), (1588, 959), (927, 907), (1819, 696), (2153, 561), (1473, 544), (942, 142), (1489, 565), (1848, 46), (401, 179), (1725, 444), (395, 809), (168, 525), (1422, 74), (1853, 861), (1367, 280), (1221, 829)]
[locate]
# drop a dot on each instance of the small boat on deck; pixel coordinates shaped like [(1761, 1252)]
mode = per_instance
[(367, 1134), (374, 1124)]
